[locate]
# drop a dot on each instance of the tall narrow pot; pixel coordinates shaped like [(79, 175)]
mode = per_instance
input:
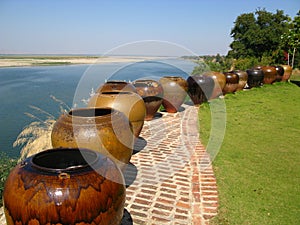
[(175, 90), (104, 130), (65, 186), (129, 103), (152, 93)]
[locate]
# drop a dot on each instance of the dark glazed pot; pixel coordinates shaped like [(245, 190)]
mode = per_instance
[(117, 86), (152, 93), (129, 103), (175, 90), (269, 74), (255, 77), (279, 73), (104, 130), (220, 81), (232, 81), (200, 88), (65, 186), (243, 77), (287, 72)]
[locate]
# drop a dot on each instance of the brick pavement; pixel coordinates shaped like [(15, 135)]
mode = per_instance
[(170, 179)]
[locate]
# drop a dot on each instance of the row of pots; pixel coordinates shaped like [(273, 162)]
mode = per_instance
[(80, 179), (201, 87)]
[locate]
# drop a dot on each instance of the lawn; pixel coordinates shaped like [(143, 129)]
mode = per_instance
[(258, 165)]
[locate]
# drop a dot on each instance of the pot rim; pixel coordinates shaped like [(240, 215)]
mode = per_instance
[(116, 82), (111, 111), (49, 152)]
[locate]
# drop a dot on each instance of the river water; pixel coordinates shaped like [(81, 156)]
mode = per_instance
[(24, 87)]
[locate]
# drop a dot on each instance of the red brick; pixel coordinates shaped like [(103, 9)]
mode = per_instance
[(183, 205)]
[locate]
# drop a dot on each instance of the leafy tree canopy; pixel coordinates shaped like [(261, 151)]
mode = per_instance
[(257, 34)]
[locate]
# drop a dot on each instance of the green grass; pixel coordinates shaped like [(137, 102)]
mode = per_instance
[(258, 165), (6, 164)]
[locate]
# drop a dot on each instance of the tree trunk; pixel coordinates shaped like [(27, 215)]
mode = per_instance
[(293, 58), (288, 58)]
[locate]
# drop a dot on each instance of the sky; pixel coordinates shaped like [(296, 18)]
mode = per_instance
[(124, 27)]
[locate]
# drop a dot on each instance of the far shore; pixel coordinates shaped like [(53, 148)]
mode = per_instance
[(21, 61)]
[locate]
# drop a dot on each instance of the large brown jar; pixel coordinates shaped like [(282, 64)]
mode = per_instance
[(279, 73), (243, 77), (269, 74), (152, 93), (232, 81), (200, 88), (117, 86), (129, 103), (104, 130), (64, 186), (287, 72), (175, 91), (220, 82), (255, 77)]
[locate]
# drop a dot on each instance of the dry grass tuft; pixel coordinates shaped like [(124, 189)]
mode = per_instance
[(36, 136)]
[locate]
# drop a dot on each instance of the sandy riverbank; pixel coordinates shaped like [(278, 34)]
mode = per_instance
[(17, 61)]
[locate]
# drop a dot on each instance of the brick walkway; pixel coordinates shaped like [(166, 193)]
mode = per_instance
[(170, 180)]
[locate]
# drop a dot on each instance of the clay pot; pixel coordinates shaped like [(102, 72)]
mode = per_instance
[(287, 72), (129, 103), (65, 186), (116, 86), (200, 88), (243, 77), (279, 73), (175, 90), (104, 130), (152, 93), (269, 74), (232, 81), (220, 81), (255, 77)]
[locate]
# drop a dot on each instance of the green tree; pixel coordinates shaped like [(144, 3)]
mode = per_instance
[(257, 34), (290, 40)]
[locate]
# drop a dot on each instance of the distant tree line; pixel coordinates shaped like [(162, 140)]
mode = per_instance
[(259, 38)]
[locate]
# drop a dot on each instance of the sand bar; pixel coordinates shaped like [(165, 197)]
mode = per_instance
[(19, 61)]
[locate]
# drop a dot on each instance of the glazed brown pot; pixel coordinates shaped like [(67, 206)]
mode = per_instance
[(152, 93), (220, 81), (200, 88), (129, 103), (232, 81), (255, 77), (65, 186), (279, 73), (243, 77), (269, 74), (116, 86), (175, 90), (287, 72), (104, 130)]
